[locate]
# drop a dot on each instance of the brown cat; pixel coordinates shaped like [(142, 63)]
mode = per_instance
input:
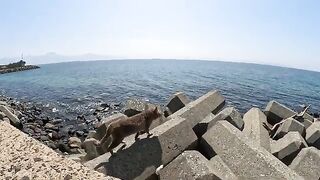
[(122, 128)]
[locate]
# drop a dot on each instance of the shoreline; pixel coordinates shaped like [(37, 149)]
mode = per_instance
[(17, 69), (54, 129)]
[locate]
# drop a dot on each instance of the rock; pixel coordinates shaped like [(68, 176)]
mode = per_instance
[(90, 148), (51, 145), (221, 169), (56, 121), (54, 135), (275, 112), (5, 119), (18, 114), (313, 134), (245, 158), (136, 106), (74, 142), (44, 138), (63, 147), (289, 125), (188, 165), (79, 133), (288, 147), (307, 163), (253, 127), (51, 126), (2, 115), (197, 110), (176, 102), (23, 157), (91, 134), (13, 118), (101, 130), (139, 159)]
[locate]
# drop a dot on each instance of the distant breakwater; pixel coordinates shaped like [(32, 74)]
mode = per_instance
[(16, 69)]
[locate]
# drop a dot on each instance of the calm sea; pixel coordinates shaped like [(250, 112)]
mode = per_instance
[(77, 87)]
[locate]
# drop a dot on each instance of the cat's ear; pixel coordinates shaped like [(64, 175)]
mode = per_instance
[(155, 110)]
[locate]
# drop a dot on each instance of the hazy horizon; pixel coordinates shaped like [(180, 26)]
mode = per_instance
[(276, 33)]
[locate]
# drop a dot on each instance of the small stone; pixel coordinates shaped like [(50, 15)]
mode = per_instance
[(74, 142), (51, 126), (44, 138)]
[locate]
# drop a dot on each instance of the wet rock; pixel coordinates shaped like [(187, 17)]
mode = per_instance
[(80, 133), (44, 138), (54, 135), (51, 126), (56, 121)]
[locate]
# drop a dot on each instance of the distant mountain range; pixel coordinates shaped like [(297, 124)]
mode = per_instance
[(56, 58)]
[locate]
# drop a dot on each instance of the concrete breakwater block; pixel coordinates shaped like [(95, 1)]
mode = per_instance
[(139, 159), (221, 169), (243, 156), (229, 114), (288, 147), (197, 110), (313, 134), (23, 157), (189, 165), (307, 123), (253, 127), (290, 125), (14, 120), (275, 112), (176, 102), (307, 163)]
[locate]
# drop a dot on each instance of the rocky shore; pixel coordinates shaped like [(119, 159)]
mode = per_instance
[(15, 69), (200, 139)]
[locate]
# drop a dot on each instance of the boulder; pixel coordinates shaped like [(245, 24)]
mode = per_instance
[(275, 112), (221, 169), (14, 120), (136, 106), (74, 142), (90, 148), (176, 102), (188, 165), (197, 110), (245, 158), (313, 134), (290, 124), (253, 127), (287, 148), (101, 130), (2, 115), (139, 159), (307, 163)]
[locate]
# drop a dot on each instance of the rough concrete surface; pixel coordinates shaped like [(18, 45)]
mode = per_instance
[(243, 156), (22, 157)]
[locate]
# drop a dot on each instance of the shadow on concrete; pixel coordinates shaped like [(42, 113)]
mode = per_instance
[(138, 160)]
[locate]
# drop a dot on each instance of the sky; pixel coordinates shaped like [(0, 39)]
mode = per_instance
[(285, 33)]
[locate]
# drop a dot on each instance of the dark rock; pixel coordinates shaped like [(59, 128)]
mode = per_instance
[(80, 133)]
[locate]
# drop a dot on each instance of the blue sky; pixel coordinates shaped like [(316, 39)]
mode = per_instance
[(285, 32)]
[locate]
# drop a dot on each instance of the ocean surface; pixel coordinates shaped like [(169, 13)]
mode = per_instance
[(78, 87)]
